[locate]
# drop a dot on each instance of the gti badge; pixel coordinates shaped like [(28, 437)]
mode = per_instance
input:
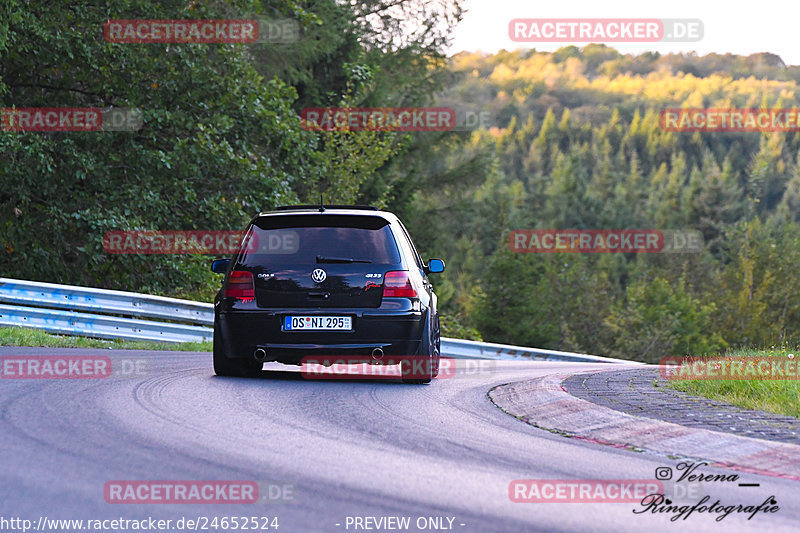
[(318, 275)]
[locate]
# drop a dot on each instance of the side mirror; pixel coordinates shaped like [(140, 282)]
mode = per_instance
[(435, 266), (220, 266)]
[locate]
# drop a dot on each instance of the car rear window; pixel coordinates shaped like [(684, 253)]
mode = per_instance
[(286, 240)]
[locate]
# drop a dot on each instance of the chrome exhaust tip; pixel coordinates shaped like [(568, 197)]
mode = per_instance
[(377, 354), (260, 354)]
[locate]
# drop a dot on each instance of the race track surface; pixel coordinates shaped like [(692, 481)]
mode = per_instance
[(345, 449)]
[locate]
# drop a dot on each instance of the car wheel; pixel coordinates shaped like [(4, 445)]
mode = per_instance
[(225, 366), (430, 366), (437, 348)]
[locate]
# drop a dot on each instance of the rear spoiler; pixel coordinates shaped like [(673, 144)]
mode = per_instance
[(326, 206)]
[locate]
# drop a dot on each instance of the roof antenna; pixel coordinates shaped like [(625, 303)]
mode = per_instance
[(321, 205)]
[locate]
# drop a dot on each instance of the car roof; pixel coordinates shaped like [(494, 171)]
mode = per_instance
[(304, 210)]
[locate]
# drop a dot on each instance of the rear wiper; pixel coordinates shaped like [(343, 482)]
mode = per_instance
[(321, 259)]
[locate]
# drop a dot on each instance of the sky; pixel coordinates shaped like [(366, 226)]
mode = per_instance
[(739, 28)]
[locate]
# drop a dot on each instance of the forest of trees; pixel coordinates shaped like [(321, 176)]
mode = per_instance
[(222, 138), (576, 144)]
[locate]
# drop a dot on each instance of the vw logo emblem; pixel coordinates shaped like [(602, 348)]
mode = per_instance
[(318, 275)]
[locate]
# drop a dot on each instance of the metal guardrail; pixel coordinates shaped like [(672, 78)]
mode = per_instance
[(73, 298), (101, 326), (459, 348), (60, 309), (73, 310)]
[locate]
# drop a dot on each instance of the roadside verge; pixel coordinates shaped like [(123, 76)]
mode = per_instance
[(545, 404)]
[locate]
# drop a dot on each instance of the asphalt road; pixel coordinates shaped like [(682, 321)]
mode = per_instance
[(345, 448)]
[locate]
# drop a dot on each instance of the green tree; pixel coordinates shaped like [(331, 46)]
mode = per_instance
[(760, 285), (219, 143), (658, 320)]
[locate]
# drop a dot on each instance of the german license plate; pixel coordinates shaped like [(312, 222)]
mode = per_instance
[(317, 323)]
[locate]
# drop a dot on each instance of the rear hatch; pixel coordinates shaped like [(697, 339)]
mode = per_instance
[(319, 260)]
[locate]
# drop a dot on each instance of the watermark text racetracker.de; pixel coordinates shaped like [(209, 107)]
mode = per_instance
[(730, 119), (396, 118), (22, 119), (177, 242), (393, 367), (604, 241), (197, 492), (242, 31), (730, 368), (220, 242), (70, 367), (582, 490), (605, 30)]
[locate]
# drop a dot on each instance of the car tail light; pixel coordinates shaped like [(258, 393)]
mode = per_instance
[(397, 284), (240, 285)]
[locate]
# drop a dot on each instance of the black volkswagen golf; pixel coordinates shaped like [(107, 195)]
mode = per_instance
[(326, 281)]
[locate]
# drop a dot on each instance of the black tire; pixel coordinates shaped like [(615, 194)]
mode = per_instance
[(437, 347), (239, 368), (430, 347)]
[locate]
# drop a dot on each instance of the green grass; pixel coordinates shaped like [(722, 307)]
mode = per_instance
[(37, 337), (774, 396)]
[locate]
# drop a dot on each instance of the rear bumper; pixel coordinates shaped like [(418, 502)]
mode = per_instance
[(241, 333)]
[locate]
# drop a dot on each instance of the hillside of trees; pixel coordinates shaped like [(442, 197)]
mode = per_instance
[(576, 143)]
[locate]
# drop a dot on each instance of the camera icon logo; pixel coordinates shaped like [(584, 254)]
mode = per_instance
[(663, 473)]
